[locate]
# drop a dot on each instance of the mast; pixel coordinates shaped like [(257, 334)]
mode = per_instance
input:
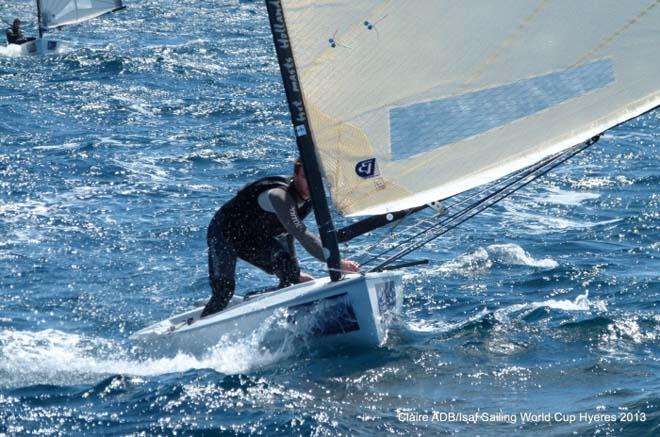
[(41, 32), (304, 138)]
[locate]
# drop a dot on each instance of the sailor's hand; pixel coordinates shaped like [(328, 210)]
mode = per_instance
[(304, 277), (349, 266)]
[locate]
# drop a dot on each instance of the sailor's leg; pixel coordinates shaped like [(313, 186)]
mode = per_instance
[(285, 264), (222, 269), (277, 257)]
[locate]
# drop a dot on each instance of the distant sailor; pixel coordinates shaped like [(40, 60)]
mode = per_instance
[(14, 34), (259, 225)]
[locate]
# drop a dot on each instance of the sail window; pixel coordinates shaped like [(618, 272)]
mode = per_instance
[(422, 127)]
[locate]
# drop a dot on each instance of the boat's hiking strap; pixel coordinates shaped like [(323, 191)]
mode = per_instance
[(254, 293)]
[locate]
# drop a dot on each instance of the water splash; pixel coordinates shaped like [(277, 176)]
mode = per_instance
[(581, 303), (482, 260), (568, 198), (56, 357)]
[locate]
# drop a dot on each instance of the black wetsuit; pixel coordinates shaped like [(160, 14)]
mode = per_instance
[(243, 229), (15, 36)]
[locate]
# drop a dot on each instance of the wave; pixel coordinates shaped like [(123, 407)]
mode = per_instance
[(487, 318), (603, 181), (630, 330), (622, 337), (10, 51), (483, 259), (541, 224), (564, 197), (580, 303)]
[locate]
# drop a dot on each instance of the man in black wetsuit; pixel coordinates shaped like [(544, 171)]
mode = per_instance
[(14, 34), (259, 225)]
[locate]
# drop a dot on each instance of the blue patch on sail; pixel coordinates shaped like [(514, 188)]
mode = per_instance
[(426, 126)]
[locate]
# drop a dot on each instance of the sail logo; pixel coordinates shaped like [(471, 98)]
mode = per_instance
[(366, 168)]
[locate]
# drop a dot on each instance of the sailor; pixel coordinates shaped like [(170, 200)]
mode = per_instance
[(259, 226), (14, 34)]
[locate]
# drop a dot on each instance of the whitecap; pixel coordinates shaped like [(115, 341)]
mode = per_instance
[(10, 51), (439, 326), (541, 224), (580, 303), (628, 329), (482, 259), (69, 145), (503, 315), (512, 254), (564, 197)]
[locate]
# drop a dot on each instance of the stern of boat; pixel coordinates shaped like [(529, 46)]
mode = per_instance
[(357, 312), (384, 292)]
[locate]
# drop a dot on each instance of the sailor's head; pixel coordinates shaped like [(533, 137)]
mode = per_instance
[(17, 22), (300, 180)]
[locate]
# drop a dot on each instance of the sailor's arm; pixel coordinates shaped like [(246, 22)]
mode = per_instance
[(285, 209)]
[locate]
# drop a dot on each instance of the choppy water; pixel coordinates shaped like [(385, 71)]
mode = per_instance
[(113, 158)]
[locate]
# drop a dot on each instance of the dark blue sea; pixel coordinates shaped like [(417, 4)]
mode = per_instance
[(540, 316)]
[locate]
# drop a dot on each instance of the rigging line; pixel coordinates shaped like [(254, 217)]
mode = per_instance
[(485, 203), (505, 181), (414, 225), (448, 219), (392, 235), (469, 212), (384, 237)]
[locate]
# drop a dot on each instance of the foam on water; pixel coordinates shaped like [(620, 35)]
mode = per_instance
[(68, 145), (440, 326), (14, 51), (512, 254), (581, 303), (565, 197), (483, 259), (11, 51), (538, 224), (592, 182), (629, 329), (13, 211)]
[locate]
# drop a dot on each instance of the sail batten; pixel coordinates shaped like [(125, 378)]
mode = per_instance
[(58, 13), (411, 101)]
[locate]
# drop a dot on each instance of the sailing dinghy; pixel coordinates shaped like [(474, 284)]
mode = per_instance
[(403, 103), (352, 312), (55, 14)]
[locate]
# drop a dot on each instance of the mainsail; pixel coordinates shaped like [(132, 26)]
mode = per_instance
[(58, 13), (412, 101)]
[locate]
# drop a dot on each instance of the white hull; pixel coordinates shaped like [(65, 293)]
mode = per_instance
[(40, 46), (355, 312)]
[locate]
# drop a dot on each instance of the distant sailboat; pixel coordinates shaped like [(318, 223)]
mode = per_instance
[(55, 14), (403, 103)]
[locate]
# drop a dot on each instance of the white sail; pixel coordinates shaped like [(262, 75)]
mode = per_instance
[(411, 101), (57, 13)]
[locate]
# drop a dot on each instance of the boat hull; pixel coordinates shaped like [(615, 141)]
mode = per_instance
[(40, 46), (353, 312)]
